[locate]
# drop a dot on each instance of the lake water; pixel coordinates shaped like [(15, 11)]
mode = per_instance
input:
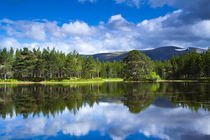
[(105, 111)]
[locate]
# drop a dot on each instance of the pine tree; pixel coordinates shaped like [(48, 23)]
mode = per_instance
[(39, 63), (6, 61), (98, 67), (46, 65), (103, 70), (90, 67), (24, 64), (137, 66)]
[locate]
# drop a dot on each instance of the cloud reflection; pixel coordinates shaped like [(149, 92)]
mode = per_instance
[(114, 119)]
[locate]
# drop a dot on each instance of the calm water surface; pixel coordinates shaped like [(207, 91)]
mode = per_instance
[(106, 111)]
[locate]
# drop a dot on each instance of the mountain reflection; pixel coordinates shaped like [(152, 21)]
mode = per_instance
[(112, 110)]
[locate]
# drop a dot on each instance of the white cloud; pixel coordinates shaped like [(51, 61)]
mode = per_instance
[(117, 34), (202, 29), (36, 32), (6, 21), (162, 31), (54, 31), (117, 18), (77, 28), (24, 29), (118, 22), (10, 42)]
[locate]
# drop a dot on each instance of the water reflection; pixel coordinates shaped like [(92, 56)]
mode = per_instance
[(110, 110)]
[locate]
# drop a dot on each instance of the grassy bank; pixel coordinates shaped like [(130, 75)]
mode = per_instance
[(172, 81), (177, 81), (96, 80)]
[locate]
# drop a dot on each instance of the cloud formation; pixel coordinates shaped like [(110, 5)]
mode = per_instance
[(185, 27), (77, 28), (192, 11), (117, 33)]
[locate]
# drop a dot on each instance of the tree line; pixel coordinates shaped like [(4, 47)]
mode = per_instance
[(189, 66), (37, 65)]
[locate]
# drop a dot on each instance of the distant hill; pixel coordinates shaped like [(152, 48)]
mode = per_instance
[(162, 53)]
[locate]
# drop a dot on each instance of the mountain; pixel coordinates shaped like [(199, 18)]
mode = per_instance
[(162, 53)]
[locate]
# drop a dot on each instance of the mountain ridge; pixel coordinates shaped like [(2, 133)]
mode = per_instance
[(159, 54)]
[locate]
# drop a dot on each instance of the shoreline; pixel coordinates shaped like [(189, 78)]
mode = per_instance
[(180, 81), (105, 80), (171, 81), (60, 82)]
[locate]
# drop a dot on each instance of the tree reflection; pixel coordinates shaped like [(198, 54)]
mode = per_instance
[(52, 99), (139, 96)]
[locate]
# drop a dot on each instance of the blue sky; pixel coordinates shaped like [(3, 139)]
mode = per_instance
[(93, 26), (89, 12)]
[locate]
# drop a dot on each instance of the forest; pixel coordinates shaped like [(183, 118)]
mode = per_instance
[(42, 65)]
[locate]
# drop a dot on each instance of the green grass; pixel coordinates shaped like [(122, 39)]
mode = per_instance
[(113, 79), (85, 80), (186, 80), (74, 80), (95, 80), (9, 80), (66, 80)]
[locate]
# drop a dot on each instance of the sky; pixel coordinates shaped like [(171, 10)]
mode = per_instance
[(96, 26)]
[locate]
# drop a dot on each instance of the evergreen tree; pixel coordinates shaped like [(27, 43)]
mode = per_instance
[(90, 67), (103, 70), (24, 64), (98, 67), (206, 63), (137, 66), (6, 61), (109, 70), (73, 64), (39, 65), (46, 65)]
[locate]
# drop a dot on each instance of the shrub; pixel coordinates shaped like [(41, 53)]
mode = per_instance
[(152, 76)]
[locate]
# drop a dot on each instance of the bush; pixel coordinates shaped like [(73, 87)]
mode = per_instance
[(152, 76)]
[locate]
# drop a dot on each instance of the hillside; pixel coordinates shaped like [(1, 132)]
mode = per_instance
[(162, 53)]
